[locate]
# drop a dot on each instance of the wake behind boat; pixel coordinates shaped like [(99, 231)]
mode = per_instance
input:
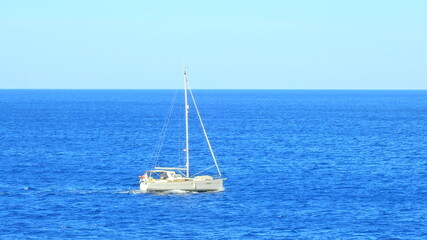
[(179, 178)]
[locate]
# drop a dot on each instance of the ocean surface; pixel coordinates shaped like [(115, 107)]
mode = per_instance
[(299, 165)]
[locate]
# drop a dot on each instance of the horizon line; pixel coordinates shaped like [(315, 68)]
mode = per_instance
[(270, 89)]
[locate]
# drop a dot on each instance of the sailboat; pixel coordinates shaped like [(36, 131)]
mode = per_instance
[(179, 178)]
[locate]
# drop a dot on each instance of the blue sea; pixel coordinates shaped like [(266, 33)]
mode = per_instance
[(300, 164)]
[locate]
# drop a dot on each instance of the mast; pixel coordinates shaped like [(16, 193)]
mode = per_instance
[(187, 150)]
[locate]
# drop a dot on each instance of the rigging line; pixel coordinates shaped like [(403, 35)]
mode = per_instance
[(203, 170), (163, 132), (204, 130), (166, 124), (159, 144)]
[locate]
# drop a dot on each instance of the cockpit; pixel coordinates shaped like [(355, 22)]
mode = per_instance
[(162, 175)]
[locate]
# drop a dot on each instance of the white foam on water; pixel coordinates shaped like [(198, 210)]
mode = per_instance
[(133, 192), (168, 192)]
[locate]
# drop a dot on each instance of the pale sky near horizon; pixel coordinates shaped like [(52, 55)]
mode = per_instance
[(140, 44)]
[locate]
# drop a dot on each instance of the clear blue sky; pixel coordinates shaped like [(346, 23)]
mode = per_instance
[(138, 44)]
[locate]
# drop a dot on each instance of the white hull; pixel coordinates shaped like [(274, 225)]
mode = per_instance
[(192, 185)]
